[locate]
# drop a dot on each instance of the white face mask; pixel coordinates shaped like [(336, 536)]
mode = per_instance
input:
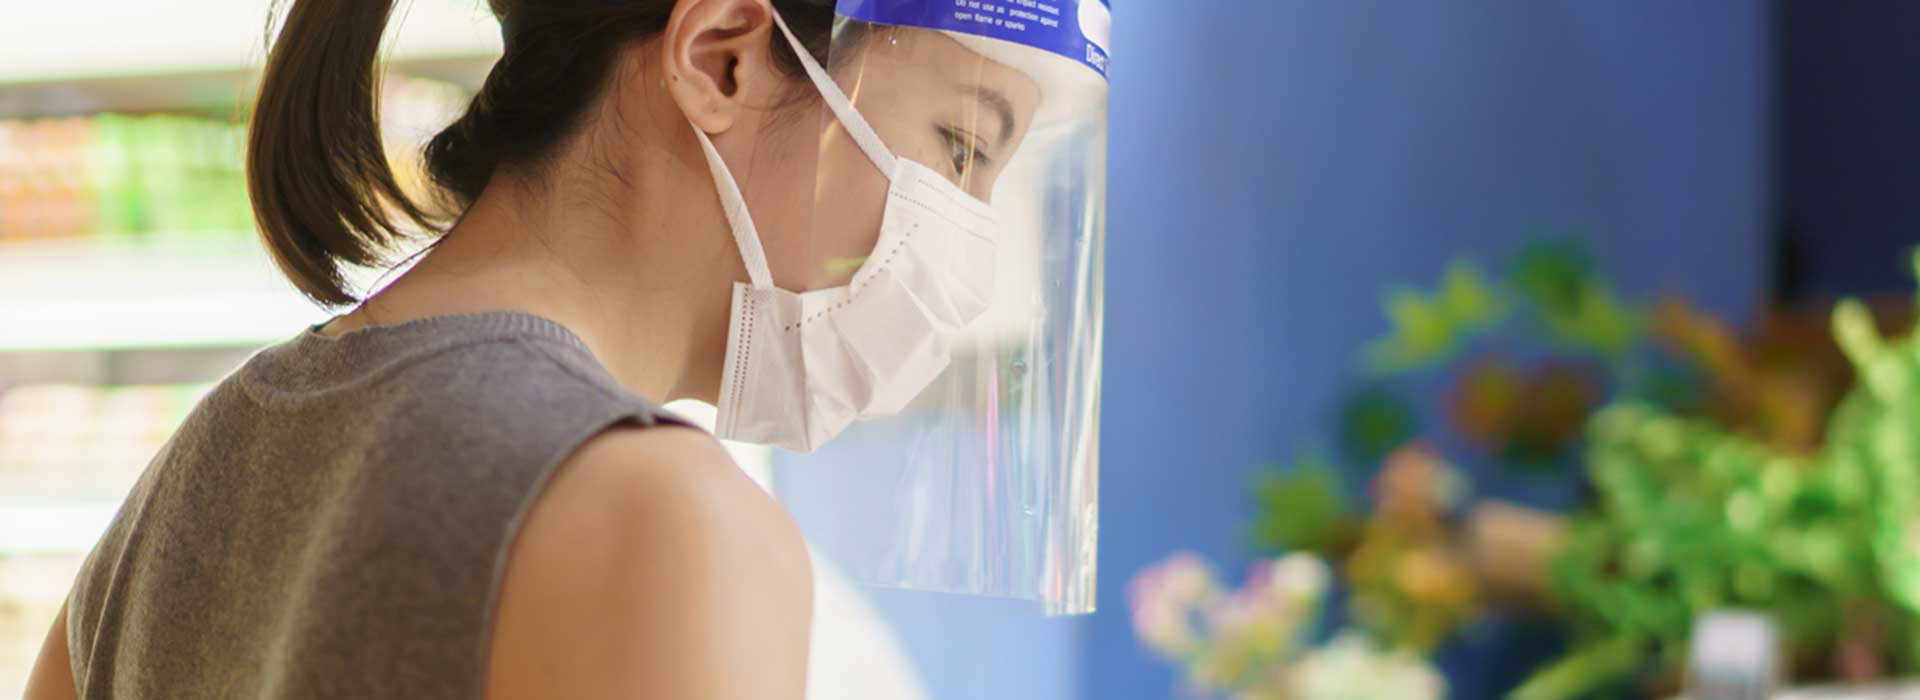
[(801, 367)]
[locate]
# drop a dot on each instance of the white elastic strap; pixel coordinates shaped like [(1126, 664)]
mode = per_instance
[(850, 118), (745, 235)]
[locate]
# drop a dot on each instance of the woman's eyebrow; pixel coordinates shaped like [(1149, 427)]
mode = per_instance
[(995, 101)]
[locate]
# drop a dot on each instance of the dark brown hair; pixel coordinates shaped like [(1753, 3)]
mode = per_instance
[(323, 194)]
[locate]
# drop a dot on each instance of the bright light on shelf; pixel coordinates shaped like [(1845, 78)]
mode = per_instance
[(53, 529), (94, 295), (50, 41)]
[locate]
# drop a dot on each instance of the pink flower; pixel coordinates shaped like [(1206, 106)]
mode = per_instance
[(1230, 641), (1166, 598), (1261, 625)]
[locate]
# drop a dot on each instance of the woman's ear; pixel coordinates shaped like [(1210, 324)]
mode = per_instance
[(717, 59)]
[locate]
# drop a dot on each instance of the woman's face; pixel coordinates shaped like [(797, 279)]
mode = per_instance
[(931, 100)]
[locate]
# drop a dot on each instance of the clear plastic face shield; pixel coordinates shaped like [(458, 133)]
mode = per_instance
[(932, 366)]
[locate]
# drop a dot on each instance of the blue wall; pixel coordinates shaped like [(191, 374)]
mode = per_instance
[(1276, 162)]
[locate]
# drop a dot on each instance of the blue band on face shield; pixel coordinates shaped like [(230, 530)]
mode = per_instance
[(1077, 29)]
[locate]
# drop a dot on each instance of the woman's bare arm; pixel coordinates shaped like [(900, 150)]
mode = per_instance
[(52, 676), (652, 567)]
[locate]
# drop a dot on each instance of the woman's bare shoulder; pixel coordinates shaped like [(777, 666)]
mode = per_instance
[(651, 566)]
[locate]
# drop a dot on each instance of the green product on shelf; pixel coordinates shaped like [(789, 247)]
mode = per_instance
[(119, 203), (177, 178), (166, 176)]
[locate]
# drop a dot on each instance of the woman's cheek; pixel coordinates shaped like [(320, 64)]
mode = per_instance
[(852, 203)]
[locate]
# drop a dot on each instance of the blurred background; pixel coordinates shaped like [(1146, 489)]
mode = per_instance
[(1471, 350)]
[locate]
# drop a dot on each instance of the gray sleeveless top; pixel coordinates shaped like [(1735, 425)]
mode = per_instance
[(334, 519)]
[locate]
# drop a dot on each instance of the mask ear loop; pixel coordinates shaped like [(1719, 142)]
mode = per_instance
[(745, 236), (850, 119)]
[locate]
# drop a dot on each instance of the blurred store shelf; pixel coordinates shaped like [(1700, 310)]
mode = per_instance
[(148, 56), (209, 91), (103, 294), (125, 38)]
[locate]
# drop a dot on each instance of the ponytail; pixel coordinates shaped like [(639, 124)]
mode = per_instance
[(323, 194)]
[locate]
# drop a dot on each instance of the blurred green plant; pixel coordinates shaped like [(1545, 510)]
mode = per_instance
[(1374, 422), (1527, 417), (1408, 586), (1429, 327), (1691, 517), (1523, 407), (1301, 509), (1579, 308), (1551, 281)]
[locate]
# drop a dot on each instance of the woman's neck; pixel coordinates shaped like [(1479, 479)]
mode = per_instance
[(638, 280)]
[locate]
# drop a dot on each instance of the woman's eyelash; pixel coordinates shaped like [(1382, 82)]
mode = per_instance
[(976, 154)]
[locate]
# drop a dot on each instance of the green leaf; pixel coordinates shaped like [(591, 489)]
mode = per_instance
[(1428, 328), (1374, 422), (1587, 670), (1301, 509), (1553, 275)]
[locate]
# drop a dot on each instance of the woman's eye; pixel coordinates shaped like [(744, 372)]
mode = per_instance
[(963, 150)]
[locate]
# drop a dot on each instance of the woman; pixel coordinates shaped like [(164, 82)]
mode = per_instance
[(464, 486)]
